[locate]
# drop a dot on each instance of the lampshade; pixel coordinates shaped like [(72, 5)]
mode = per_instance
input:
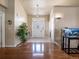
[(58, 16)]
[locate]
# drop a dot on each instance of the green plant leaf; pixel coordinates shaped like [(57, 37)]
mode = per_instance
[(22, 32)]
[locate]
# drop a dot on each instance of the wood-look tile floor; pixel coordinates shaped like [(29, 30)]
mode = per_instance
[(35, 51)]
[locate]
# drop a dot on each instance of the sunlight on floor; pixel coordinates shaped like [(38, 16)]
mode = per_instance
[(38, 49)]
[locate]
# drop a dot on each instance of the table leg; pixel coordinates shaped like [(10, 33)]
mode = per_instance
[(68, 46), (63, 44)]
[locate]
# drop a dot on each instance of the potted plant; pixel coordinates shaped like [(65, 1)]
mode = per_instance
[(22, 32)]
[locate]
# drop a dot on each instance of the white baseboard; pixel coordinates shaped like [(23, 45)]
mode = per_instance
[(57, 44), (10, 46), (13, 45), (17, 44)]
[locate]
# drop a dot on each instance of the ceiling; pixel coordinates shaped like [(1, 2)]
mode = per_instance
[(43, 7)]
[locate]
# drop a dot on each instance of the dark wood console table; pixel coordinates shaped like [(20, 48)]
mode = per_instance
[(68, 49)]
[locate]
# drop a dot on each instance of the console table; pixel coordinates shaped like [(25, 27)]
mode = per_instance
[(68, 49)]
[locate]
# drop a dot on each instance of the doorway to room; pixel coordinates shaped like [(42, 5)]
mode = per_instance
[(2, 27)]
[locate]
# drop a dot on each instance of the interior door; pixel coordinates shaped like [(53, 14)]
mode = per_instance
[(38, 26), (0, 31), (2, 28)]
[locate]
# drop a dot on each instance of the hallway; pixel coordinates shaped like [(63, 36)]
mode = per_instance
[(31, 29), (35, 50)]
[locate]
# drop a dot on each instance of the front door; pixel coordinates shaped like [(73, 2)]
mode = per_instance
[(38, 27)]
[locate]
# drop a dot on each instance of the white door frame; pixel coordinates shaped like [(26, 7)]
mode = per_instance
[(40, 18), (2, 14)]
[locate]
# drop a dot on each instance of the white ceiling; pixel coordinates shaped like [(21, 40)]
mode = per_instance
[(45, 6)]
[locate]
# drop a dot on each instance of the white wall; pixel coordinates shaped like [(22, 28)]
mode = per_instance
[(20, 14), (68, 19), (51, 24), (69, 16), (20, 17), (16, 13), (78, 16), (9, 29)]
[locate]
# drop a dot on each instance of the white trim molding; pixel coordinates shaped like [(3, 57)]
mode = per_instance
[(10, 46)]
